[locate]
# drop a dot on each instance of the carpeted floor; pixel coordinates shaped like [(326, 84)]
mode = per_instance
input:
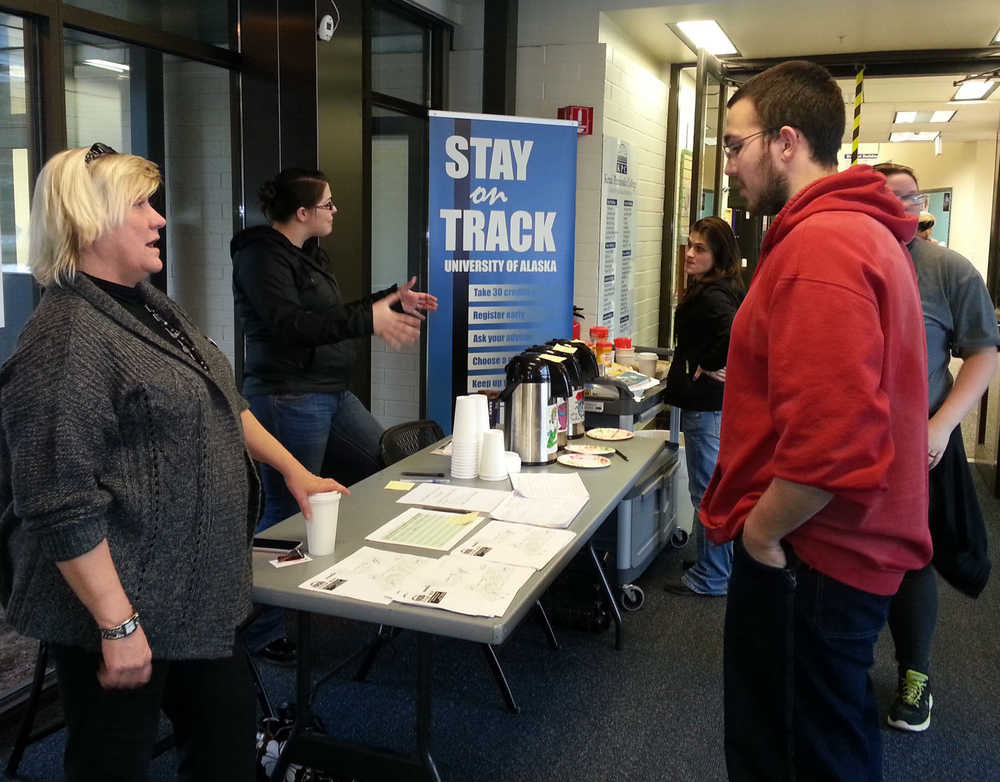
[(652, 711)]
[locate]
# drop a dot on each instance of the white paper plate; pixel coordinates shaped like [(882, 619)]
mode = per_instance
[(599, 450), (583, 460), (607, 433)]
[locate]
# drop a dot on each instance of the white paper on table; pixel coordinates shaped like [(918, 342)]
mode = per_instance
[(556, 512), (516, 544), (465, 585), (448, 497), (368, 574), (541, 485), (422, 528), (444, 450)]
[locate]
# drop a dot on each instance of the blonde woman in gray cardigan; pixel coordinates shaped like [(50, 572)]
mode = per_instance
[(128, 493)]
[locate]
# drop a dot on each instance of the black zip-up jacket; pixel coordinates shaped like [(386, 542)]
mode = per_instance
[(297, 328), (701, 328)]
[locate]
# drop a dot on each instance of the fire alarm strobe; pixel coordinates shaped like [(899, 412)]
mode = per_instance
[(325, 31)]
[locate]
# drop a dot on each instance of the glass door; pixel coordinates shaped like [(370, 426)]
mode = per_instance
[(399, 246), (18, 292), (709, 117)]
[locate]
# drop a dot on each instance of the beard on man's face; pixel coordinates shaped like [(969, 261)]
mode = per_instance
[(774, 192)]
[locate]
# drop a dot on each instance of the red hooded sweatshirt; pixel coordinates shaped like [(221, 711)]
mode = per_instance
[(826, 384)]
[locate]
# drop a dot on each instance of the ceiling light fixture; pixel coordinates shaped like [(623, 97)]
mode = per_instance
[(107, 65), (905, 117), (943, 116), (704, 34), (902, 136), (974, 89)]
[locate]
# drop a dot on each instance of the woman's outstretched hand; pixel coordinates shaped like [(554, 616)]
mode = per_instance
[(396, 328), (415, 302)]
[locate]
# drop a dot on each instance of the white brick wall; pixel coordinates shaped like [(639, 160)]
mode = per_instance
[(635, 109), (199, 195)]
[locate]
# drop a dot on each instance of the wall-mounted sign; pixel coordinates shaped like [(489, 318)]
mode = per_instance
[(501, 247), (616, 275), (582, 114)]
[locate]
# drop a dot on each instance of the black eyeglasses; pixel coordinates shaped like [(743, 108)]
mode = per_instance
[(327, 205), (96, 150), (733, 147)]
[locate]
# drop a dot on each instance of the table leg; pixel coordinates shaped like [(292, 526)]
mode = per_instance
[(615, 613), (549, 632), (425, 671), (498, 674), (303, 694)]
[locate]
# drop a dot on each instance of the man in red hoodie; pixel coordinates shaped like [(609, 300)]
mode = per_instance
[(822, 471)]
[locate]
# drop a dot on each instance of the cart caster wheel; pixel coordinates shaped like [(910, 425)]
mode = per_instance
[(679, 538), (632, 597)]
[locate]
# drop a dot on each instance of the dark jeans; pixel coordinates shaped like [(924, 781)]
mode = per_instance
[(315, 428), (799, 704), (111, 733)]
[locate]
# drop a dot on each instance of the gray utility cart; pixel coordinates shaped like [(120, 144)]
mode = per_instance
[(645, 521)]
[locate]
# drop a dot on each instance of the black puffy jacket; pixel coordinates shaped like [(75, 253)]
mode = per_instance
[(701, 327), (297, 328)]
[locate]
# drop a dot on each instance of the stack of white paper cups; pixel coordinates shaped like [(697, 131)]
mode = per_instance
[(465, 434)]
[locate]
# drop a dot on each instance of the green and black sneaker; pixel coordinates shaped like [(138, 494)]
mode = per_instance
[(912, 708)]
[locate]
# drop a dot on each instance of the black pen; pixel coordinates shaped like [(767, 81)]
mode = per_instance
[(424, 474)]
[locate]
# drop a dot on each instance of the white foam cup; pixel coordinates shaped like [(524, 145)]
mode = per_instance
[(482, 405), (466, 425), (646, 363), (492, 462), (321, 530), (513, 461)]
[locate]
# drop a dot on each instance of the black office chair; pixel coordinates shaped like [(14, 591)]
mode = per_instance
[(397, 443), (401, 440)]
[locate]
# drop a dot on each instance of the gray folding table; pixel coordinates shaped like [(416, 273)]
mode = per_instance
[(368, 507)]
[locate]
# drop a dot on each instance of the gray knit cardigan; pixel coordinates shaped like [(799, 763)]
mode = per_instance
[(108, 430)]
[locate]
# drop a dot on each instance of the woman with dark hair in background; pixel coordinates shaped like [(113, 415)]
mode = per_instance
[(695, 381), (959, 320), (298, 333)]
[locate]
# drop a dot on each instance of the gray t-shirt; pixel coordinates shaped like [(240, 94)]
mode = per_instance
[(959, 316)]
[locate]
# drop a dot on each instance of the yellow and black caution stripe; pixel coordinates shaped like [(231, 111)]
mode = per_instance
[(859, 98)]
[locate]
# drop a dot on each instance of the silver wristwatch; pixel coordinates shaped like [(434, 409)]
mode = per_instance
[(123, 630)]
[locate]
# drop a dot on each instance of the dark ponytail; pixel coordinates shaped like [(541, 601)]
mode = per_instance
[(281, 197)]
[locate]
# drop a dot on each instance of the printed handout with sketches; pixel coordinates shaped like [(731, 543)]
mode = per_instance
[(543, 499), (368, 574), (465, 585), (448, 497), (517, 544), (433, 529)]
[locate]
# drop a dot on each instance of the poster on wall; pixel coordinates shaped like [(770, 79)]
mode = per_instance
[(616, 277), (502, 210)]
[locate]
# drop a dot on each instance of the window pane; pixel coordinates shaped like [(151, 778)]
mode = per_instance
[(168, 103), (200, 20), (399, 224), (16, 106), (398, 62)]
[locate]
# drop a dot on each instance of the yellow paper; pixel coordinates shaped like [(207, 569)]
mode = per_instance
[(465, 518), (400, 485)]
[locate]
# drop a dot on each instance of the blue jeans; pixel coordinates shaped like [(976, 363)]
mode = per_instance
[(710, 573), (311, 427), (316, 428), (799, 703)]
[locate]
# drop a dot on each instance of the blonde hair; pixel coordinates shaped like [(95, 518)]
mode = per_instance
[(76, 202)]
